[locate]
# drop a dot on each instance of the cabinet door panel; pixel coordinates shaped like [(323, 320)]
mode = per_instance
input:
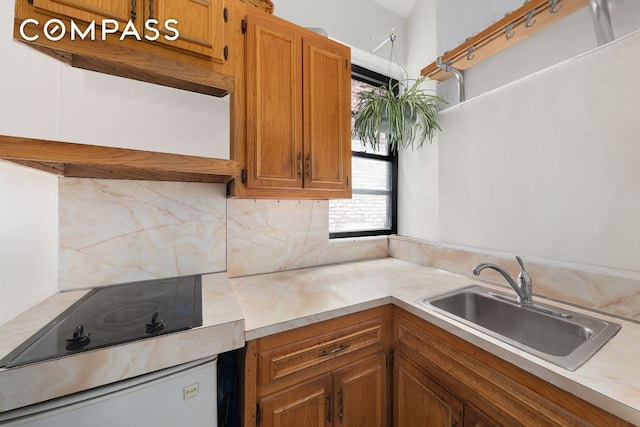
[(327, 80), (200, 23), (360, 391), (308, 404), (421, 402), (89, 10), (274, 100), (475, 418)]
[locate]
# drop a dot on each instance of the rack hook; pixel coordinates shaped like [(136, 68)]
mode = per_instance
[(555, 7), (509, 32), (528, 23), (470, 54)]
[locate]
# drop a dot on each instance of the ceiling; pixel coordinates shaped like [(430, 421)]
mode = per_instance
[(401, 7)]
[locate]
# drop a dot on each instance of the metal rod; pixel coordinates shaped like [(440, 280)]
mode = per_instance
[(446, 67), (390, 38), (601, 21)]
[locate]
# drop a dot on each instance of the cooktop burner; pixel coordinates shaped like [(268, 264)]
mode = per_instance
[(114, 315)]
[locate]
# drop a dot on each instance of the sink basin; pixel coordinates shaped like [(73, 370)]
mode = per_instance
[(566, 338)]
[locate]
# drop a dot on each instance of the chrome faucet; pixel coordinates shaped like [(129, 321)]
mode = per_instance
[(523, 287)]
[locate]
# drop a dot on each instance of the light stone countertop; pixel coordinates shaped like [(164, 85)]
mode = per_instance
[(222, 330), (282, 301), (246, 308)]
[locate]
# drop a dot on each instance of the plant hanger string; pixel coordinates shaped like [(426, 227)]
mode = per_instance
[(406, 117), (393, 54)]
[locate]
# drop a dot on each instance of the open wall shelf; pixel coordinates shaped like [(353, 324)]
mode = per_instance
[(91, 161)]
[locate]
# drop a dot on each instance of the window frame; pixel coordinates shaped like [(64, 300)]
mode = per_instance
[(371, 77)]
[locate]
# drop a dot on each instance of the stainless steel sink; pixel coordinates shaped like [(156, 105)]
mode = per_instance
[(566, 338)]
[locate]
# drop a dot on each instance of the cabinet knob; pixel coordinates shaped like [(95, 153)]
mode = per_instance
[(300, 165), (309, 166)]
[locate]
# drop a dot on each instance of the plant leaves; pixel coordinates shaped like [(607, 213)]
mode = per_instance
[(412, 115)]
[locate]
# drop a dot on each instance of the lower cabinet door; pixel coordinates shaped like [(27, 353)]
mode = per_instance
[(360, 391), (421, 402), (475, 418), (308, 404)]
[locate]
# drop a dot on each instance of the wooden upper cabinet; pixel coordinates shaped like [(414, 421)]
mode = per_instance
[(183, 44), (327, 110), (200, 22), (274, 100), (292, 126), (90, 10)]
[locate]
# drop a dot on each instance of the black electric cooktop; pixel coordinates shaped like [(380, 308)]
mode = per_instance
[(114, 315)]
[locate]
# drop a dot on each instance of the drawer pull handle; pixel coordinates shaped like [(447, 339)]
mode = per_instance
[(335, 350)]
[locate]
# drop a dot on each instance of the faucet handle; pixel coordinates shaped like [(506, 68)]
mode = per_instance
[(523, 278)]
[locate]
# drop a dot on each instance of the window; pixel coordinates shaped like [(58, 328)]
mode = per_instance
[(372, 210)]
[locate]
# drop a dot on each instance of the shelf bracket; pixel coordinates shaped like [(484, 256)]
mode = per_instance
[(447, 68), (601, 21)]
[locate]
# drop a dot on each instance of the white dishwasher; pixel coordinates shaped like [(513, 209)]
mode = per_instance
[(184, 395)]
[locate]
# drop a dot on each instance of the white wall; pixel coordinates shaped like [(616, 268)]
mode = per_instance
[(353, 22), (543, 166), (418, 169), (28, 198), (43, 98), (28, 238), (547, 165)]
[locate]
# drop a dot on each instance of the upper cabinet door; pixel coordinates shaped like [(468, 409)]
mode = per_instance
[(200, 23), (90, 10), (327, 111), (274, 104)]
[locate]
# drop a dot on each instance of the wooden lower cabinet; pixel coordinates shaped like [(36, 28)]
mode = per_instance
[(335, 373), (419, 401), (307, 404), (475, 418), (353, 396), (360, 391), (442, 380), (332, 373)]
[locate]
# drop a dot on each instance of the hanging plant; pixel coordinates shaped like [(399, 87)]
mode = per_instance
[(407, 118)]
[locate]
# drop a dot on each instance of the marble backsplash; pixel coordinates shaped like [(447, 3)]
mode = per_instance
[(265, 236), (611, 292), (115, 231)]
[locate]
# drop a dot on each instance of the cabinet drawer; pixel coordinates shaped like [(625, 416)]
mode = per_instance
[(315, 348)]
